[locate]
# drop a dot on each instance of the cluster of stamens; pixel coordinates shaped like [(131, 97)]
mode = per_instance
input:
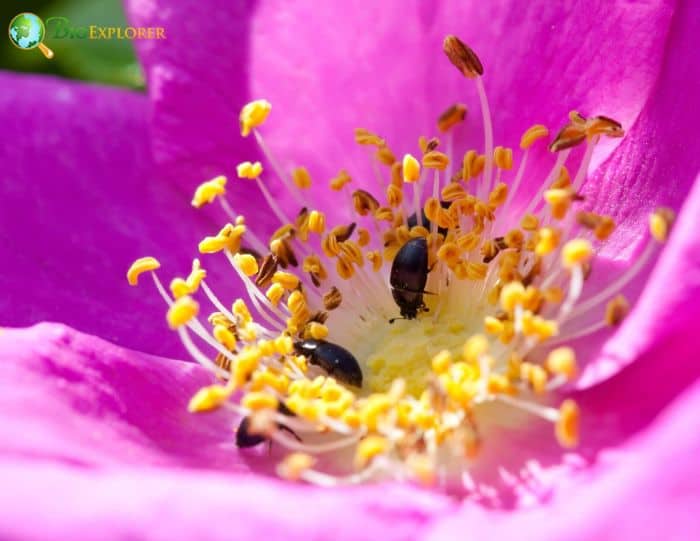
[(503, 297)]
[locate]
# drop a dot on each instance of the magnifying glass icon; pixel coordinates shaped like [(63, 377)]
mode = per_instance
[(27, 32)]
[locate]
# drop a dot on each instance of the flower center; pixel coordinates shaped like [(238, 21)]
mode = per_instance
[(385, 336)]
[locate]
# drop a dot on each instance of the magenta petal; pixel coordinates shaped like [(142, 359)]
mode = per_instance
[(78, 204), (76, 399), (57, 503), (84, 423), (197, 84), (382, 67), (643, 490), (668, 310), (659, 159)]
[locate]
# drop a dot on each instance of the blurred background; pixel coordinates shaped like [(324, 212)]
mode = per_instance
[(109, 61)]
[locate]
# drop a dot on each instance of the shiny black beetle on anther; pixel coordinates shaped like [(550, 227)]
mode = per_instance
[(409, 273), (244, 438), (334, 359)]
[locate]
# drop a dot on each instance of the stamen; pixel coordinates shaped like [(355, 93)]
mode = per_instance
[(326, 314)]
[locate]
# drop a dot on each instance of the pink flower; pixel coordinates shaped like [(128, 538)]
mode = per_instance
[(96, 441)]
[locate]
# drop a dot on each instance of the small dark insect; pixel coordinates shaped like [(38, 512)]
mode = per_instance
[(244, 438), (409, 273), (413, 219), (334, 359)]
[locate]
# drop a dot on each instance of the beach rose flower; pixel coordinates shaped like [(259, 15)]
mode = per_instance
[(501, 388)]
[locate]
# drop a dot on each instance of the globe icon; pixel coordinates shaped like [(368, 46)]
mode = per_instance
[(27, 32)]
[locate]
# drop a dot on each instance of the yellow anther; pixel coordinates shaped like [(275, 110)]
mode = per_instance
[(330, 245), (366, 137), (344, 268), (605, 228), (538, 379), (197, 274), (499, 384), (451, 117), (386, 156), (247, 263), (427, 145), (394, 196), (475, 346), (660, 223), (375, 258), (423, 144), (275, 293), (287, 280), (538, 131), (286, 231), (441, 362), (295, 465), (301, 178), (337, 183), (472, 165), (435, 160), (224, 336), (363, 237), (249, 358), (432, 209), (209, 398), (208, 191), (563, 180), (569, 136), (547, 241), (562, 361), (462, 57), (538, 327), (256, 401), (576, 252), (369, 448), (317, 331), (248, 333), (179, 288), (411, 169), (284, 345), (616, 310), (512, 295), (453, 191), (212, 245), (468, 241), (557, 196), (352, 251), (241, 310), (364, 202), (253, 115), (449, 253), (249, 170), (317, 222), (503, 158), (567, 426), (182, 311), (514, 239), (138, 267), (296, 302), (493, 325), (602, 125), (499, 194)]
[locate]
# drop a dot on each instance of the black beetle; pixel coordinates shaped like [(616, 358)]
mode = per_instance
[(334, 359), (413, 219), (244, 438), (409, 273)]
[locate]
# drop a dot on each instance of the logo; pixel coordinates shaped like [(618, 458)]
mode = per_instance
[(27, 31)]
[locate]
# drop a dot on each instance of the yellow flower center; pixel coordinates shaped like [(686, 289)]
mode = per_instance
[(390, 335)]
